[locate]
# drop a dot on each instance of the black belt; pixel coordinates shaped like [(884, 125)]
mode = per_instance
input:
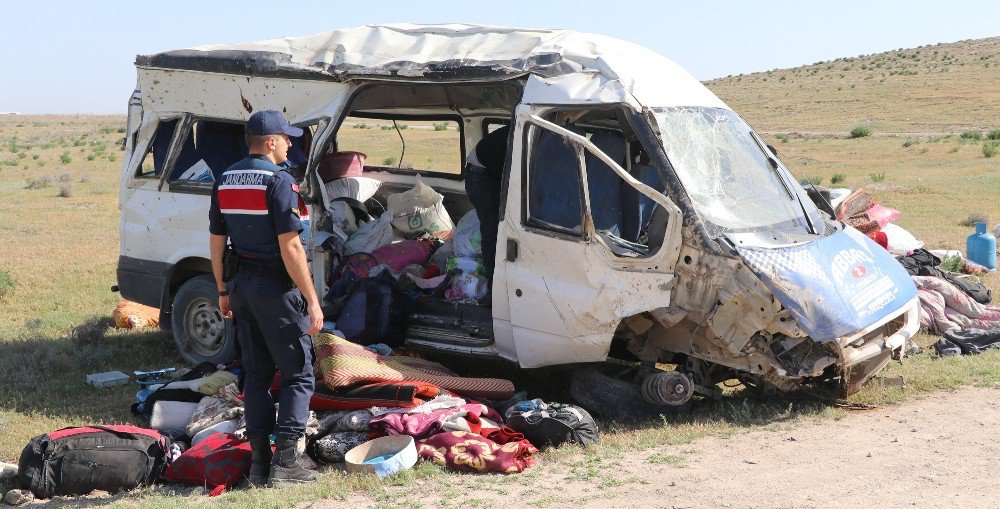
[(261, 267)]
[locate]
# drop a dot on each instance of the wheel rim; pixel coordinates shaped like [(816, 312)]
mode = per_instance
[(204, 328)]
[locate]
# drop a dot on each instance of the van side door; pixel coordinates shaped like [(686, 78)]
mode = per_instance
[(576, 244)]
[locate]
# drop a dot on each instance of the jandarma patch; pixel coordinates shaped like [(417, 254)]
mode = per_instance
[(295, 187)]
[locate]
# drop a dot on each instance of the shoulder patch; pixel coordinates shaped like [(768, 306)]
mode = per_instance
[(295, 187), (296, 212)]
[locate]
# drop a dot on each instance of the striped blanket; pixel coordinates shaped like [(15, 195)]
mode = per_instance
[(345, 364)]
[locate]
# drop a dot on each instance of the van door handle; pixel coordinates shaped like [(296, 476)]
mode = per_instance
[(511, 250)]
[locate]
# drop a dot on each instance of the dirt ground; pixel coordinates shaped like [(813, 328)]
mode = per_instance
[(938, 451)]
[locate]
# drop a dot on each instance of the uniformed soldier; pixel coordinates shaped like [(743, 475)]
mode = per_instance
[(256, 207)]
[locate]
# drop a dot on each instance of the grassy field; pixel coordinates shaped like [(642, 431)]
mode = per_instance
[(59, 178), (934, 89)]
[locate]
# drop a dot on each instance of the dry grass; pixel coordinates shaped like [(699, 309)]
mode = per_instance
[(934, 89)]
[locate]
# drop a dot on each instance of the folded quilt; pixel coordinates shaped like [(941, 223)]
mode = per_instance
[(345, 364)]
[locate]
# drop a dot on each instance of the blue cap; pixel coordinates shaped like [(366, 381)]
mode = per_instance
[(270, 122)]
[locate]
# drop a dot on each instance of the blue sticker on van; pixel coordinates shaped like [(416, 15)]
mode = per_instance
[(834, 286)]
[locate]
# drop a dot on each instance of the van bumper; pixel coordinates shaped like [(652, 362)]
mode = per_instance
[(141, 280), (865, 353)]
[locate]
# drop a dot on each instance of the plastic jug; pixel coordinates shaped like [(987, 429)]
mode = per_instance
[(982, 247)]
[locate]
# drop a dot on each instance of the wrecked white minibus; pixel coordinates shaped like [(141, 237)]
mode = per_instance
[(642, 219)]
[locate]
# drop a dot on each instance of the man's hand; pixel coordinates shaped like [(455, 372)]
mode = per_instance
[(315, 317), (294, 257), (224, 306)]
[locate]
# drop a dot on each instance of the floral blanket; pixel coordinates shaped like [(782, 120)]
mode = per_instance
[(469, 452)]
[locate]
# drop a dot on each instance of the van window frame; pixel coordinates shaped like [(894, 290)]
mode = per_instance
[(384, 116), (188, 186), (587, 233), (152, 176), (193, 187)]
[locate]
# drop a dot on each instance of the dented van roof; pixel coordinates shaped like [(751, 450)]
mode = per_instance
[(578, 65)]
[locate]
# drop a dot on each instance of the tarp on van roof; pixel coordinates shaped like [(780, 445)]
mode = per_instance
[(453, 52)]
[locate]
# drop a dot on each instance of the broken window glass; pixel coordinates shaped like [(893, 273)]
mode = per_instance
[(733, 183)]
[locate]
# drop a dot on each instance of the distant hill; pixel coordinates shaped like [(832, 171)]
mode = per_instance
[(936, 88)]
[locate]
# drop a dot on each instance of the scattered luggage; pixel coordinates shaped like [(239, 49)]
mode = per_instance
[(218, 462), (376, 311), (76, 461), (554, 424), (420, 210)]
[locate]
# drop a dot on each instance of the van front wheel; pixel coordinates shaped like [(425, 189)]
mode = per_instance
[(200, 332)]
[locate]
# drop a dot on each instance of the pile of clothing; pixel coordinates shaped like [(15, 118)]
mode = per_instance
[(413, 248), (953, 301), (447, 415)]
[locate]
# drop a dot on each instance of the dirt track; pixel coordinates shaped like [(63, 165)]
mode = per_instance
[(939, 451)]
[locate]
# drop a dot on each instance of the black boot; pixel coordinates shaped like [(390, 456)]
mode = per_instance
[(285, 468), (260, 469)]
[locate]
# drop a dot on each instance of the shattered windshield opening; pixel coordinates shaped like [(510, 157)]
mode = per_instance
[(729, 177)]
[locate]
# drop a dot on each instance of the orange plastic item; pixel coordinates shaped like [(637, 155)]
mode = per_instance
[(132, 315)]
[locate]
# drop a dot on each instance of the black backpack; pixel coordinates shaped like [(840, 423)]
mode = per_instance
[(555, 424), (76, 461), (376, 311)]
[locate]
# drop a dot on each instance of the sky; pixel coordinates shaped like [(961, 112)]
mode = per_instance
[(77, 56)]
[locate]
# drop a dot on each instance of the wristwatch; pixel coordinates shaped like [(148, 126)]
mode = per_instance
[(223, 293)]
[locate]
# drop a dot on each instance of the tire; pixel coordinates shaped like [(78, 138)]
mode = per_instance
[(598, 392), (199, 331)]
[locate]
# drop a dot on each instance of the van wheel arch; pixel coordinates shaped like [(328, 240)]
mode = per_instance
[(180, 273)]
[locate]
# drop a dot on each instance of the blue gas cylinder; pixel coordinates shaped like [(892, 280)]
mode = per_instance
[(982, 247)]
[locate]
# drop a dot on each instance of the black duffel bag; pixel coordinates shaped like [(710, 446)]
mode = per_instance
[(376, 311), (554, 424), (76, 461)]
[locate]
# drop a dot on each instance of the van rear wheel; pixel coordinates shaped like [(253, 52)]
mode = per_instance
[(200, 332)]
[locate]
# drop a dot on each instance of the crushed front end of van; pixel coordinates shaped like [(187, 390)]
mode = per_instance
[(769, 289)]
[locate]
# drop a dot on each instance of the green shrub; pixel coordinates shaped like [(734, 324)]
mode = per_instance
[(91, 157), (441, 127), (111, 157), (65, 158), (402, 126), (386, 128), (989, 149), (838, 178), (389, 161), (971, 135), (909, 143), (35, 156), (860, 132), (361, 126), (783, 138), (811, 179), (924, 150), (953, 149), (877, 177), (7, 283), (993, 135)]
